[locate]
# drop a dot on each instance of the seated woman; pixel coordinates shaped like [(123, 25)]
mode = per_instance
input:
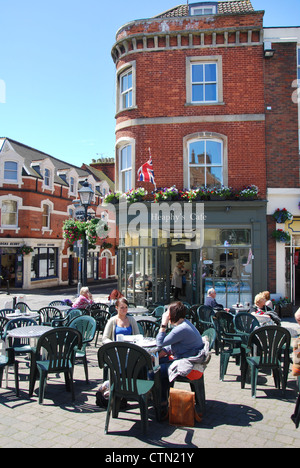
[(260, 308), (120, 324), (114, 296), (183, 341), (84, 299)]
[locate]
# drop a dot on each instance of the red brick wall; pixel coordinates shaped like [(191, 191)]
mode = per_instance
[(282, 119), (161, 92)]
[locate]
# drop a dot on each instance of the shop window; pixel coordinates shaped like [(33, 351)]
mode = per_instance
[(44, 263)]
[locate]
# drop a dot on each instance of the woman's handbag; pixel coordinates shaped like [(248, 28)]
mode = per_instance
[(182, 411)]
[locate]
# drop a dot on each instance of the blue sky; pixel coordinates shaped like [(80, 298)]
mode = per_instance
[(57, 77)]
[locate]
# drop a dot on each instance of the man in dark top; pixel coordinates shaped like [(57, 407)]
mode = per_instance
[(211, 299)]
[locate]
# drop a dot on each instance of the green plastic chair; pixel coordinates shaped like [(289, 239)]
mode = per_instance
[(23, 307), (229, 341), (244, 324), (3, 322), (205, 314), (60, 345), (8, 360), (20, 345), (148, 328), (129, 367), (268, 349), (64, 322), (47, 314), (86, 325), (101, 316), (4, 312), (56, 303)]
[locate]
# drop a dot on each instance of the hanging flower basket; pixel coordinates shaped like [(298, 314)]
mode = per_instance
[(282, 216), (25, 250), (281, 236), (92, 230)]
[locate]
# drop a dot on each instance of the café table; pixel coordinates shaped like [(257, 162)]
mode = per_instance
[(147, 343), (31, 332), (139, 310), (18, 314), (64, 309)]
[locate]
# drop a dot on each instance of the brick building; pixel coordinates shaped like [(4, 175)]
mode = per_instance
[(194, 84), (37, 194)]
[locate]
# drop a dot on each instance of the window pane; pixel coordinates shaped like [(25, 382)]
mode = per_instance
[(11, 170), (9, 213), (210, 72), (197, 177), (197, 155), (214, 176), (210, 92), (214, 152), (197, 93), (197, 73), (126, 157)]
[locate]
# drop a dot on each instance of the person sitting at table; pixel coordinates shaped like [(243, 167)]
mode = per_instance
[(211, 299), (260, 308), (120, 324), (269, 303), (114, 296), (84, 299), (183, 341)]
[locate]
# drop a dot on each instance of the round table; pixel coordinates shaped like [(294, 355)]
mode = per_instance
[(17, 315), (138, 310), (32, 331)]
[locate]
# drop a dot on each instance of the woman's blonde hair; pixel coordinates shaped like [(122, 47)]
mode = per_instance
[(260, 296)]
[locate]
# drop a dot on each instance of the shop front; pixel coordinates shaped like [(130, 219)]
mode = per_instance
[(229, 254)]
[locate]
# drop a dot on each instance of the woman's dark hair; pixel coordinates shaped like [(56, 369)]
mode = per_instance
[(177, 311), (120, 301)]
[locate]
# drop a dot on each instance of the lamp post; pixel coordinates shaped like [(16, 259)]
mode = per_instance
[(86, 195)]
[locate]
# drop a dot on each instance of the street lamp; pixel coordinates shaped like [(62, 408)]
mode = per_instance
[(86, 195)]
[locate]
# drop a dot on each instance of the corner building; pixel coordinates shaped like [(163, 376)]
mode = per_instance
[(190, 86)]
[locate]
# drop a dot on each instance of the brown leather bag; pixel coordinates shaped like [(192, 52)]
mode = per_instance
[(182, 411)]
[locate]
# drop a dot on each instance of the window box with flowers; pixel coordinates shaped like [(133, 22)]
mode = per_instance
[(281, 236), (113, 197), (168, 194), (136, 195), (248, 193), (220, 193), (281, 216)]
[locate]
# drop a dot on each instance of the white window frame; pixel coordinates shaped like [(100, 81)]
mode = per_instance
[(121, 72), (207, 60), (203, 10), (12, 171), (126, 171), (16, 224), (204, 136)]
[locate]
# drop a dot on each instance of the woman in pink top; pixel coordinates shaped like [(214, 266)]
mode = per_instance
[(84, 300)]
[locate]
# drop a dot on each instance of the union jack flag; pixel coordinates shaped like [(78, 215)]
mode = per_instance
[(145, 172)]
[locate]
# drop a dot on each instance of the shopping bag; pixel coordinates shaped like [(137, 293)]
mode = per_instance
[(182, 411)]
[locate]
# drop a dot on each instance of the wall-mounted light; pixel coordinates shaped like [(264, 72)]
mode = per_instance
[(268, 51)]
